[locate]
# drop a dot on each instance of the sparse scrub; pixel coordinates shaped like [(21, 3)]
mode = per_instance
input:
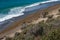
[(49, 30)]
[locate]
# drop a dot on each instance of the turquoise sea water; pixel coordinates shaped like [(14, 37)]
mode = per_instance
[(15, 3), (13, 8)]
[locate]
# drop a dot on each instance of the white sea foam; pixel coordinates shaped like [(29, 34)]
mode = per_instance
[(14, 12), (18, 11), (35, 4), (54, 0)]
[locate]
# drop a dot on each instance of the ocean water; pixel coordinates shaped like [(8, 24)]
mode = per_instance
[(14, 8)]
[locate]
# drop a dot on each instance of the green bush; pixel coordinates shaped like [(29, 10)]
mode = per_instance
[(53, 35)]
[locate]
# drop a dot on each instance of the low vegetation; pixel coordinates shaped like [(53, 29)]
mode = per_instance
[(49, 30)]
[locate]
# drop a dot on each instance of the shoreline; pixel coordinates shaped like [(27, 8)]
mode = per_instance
[(30, 9)]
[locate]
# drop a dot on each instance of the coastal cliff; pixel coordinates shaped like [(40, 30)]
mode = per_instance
[(30, 27)]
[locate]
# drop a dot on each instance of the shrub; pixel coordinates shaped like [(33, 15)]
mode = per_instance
[(8, 38), (53, 35)]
